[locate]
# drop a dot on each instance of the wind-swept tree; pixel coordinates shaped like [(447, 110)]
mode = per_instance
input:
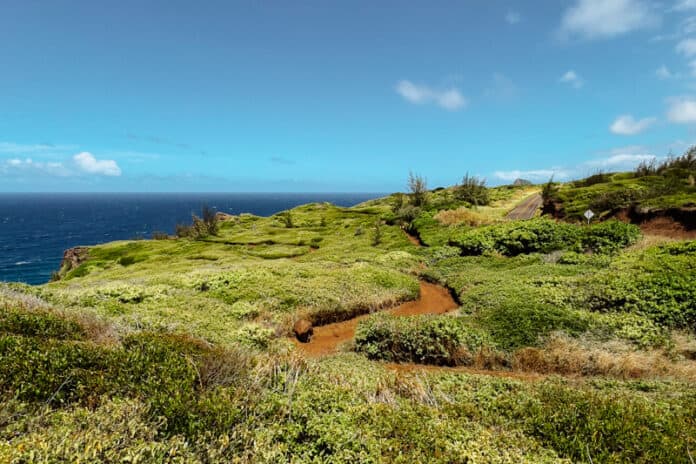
[(418, 186)]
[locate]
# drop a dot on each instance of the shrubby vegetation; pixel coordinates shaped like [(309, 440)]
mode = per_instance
[(545, 235), (473, 190), (669, 184), (176, 350), (420, 339)]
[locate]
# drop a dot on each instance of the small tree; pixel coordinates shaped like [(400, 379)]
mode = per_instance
[(286, 217), (418, 187), (210, 220), (473, 190), (549, 190), (377, 233), (202, 226)]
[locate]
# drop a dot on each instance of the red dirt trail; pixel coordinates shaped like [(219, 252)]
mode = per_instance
[(433, 299)]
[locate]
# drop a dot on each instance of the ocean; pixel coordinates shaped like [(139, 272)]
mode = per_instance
[(36, 228)]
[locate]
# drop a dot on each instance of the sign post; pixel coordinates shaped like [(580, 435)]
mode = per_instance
[(588, 215)]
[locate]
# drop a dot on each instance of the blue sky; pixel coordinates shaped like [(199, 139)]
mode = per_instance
[(337, 96)]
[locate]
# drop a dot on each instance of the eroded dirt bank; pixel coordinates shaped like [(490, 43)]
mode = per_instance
[(433, 299)]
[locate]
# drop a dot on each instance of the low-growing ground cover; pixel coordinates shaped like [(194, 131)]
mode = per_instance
[(175, 350)]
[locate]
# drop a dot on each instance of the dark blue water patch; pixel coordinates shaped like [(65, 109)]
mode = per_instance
[(35, 229)]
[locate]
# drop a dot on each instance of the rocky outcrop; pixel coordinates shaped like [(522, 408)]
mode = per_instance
[(521, 182), (72, 258), (303, 330), (223, 216)]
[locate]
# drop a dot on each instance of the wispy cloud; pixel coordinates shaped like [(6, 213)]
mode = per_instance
[(664, 73), (53, 160), (14, 166), (628, 125), (450, 99), (604, 19), (623, 158), (681, 110), (686, 47), (512, 17), (33, 149), (532, 175), (684, 5), (573, 79), (617, 159)]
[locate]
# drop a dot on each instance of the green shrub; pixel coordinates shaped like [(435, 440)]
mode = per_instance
[(610, 236), (658, 284), (440, 340), (520, 237), (473, 190), (39, 324), (126, 260), (518, 323), (543, 236), (611, 427)]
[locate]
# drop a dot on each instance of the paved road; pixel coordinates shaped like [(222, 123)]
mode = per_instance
[(527, 208)]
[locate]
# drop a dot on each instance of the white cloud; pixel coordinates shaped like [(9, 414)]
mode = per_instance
[(513, 17), (573, 79), (684, 5), (603, 19), (52, 168), (86, 162), (686, 47), (624, 158), (664, 73), (449, 99), (682, 110), (533, 175), (628, 125)]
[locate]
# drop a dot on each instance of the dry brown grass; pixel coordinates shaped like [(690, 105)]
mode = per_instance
[(650, 240), (567, 356), (462, 215)]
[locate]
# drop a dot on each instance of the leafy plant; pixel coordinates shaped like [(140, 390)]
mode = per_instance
[(473, 190), (424, 339)]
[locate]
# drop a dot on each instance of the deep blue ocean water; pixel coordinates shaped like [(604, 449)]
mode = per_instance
[(35, 229)]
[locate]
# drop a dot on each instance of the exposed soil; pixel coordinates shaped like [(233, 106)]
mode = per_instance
[(413, 239), (433, 299), (667, 227), (527, 208)]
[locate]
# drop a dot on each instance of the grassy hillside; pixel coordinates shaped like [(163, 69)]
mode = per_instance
[(572, 343), (651, 186)]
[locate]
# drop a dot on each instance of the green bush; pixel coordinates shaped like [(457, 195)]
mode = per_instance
[(610, 236), (440, 340), (543, 236), (610, 427), (39, 324), (658, 284), (518, 323), (473, 190), (126, 261)]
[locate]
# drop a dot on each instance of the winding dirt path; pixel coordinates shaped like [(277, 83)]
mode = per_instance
[(527, 208), (433, 299)]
